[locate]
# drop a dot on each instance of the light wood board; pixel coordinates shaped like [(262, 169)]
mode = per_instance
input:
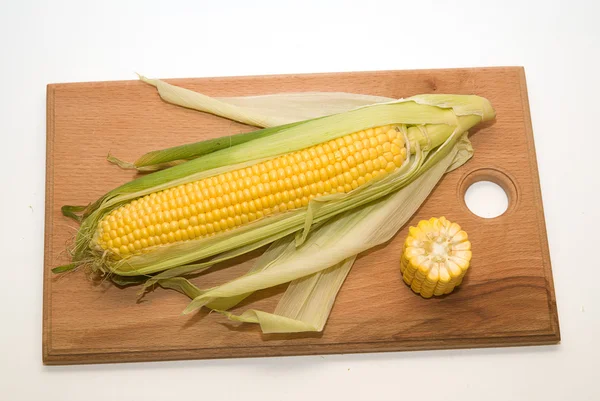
[(506, 299)]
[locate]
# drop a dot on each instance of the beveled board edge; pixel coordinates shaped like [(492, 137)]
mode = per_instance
[(300, 350), (47, 355), (552, 307)]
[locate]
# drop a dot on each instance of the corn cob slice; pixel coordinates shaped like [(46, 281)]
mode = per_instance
[(435, 257), (226, 201)]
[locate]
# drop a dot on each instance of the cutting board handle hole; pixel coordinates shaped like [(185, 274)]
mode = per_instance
[(488, 193)]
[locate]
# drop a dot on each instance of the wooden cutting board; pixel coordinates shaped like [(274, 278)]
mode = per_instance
[(506, 299)]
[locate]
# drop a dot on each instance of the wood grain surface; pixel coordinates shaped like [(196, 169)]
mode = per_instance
[(506, 299)]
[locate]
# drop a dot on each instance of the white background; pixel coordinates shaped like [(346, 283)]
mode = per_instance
[(65, 41)]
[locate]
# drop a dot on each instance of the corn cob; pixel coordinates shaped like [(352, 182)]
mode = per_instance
[(223, 202), (435, 257)]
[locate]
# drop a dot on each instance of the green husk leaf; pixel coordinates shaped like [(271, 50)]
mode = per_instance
[(125, 281), (185, 287), (65, 268), (142, 168), (181, 285), (159, 159), (121, 163), (73, 212)]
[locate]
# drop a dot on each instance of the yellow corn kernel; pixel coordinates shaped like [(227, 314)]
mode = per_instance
[(435, 257)]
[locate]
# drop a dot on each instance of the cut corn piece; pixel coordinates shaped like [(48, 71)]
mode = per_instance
[(223, 202), (435, 257)]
